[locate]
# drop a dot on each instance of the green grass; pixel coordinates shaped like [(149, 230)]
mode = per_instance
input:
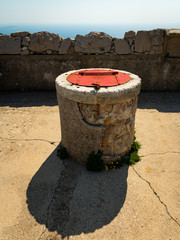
[(62, 152), (95, 163)]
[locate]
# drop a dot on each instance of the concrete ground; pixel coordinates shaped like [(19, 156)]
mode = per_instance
[(44, 197)]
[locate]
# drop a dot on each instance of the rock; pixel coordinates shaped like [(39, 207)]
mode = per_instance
[(43, 41), (24, 48), (26, 41), (157, 50), (94, 42), (174, 32), (173, 43), (10, 45), (20, 34), (121, 46), (130, 41), (142, 42), (65, 45), (157, 36), (130, 38), (49, 52), (130, 34), (25, 52)]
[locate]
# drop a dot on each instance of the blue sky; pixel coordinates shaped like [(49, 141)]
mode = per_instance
[(162, 12)]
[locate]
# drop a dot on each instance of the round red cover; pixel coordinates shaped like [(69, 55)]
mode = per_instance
[(100, 77)]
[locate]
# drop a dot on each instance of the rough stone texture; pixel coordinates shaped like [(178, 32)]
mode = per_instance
[(65, 45), (143, 42), (26, 41), (118, 120), (25, 52), (78, 137), (20, 73), (87, 128), (110, 112), (49, 52), (9, 45), (130, 38), (158, 40), (129, 34), (43, 41), (157, 50), (94, 42), (164, 42), (20, 34), (173, 43), (157, 36), (121, 46)]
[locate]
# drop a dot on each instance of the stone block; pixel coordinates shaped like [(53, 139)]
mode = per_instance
[(94, 42), (157, 36), (49, 52), (65, 45), (173, 43), (26, 41), (174, 32), (10, 45), (25, 52), (20, 34), (43, 41), (24, 48), (129, 34), (121, 46), (143, 42), (157, 50)]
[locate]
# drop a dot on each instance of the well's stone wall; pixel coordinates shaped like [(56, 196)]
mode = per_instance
[(118, 125), (93, 120), (32, 61)]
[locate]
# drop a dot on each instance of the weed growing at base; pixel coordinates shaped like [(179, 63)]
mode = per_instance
[(95, 163), (62, 152)]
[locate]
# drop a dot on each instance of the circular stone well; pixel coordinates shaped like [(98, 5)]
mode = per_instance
[(97, 112)]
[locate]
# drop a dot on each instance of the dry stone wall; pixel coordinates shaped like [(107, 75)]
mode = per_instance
[(159, 41), (156, 50)]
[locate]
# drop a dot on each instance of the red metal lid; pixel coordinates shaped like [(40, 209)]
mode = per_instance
[(100, 77)]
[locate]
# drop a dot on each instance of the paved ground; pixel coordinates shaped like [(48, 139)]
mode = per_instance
[(43, 197)]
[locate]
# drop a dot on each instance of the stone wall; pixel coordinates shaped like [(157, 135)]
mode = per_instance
[(33, 61), (118, 122)]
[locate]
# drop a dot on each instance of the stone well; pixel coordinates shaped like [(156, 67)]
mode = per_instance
[(97, 118)]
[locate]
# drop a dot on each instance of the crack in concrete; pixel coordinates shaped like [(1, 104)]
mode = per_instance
[(42, 233), (159, 153), (30, 139), (155, 193), (48, 211), (57, 213), (53, 196)]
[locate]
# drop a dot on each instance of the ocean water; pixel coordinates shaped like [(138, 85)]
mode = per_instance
[(71, 31)]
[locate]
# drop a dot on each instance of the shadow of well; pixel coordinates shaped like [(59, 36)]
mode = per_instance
[(66, 198)]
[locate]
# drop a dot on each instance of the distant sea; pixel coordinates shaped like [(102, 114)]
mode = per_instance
[(71, 31)]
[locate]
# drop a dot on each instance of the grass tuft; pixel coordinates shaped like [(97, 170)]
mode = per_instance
[(62, 152), (95, 163)]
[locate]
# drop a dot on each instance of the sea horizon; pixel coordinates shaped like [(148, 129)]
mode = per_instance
[(71, 30)]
